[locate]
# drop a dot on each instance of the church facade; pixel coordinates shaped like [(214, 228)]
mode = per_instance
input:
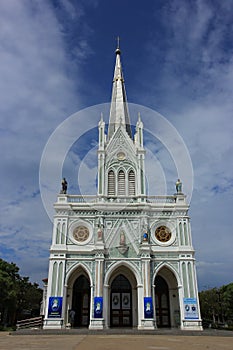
[(121, 258)]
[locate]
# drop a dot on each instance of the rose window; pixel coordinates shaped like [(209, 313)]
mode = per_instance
[(163, 234), (81, 233)]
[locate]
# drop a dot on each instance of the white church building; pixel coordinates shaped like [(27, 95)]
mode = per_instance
[(122, 258)]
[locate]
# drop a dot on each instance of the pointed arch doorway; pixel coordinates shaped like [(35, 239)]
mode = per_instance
[(81, 301), (162, 304), (121, 302)]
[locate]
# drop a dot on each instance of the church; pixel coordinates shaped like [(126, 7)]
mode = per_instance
[(121, 258)]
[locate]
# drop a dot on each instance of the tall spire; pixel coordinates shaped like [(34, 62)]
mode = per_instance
[(119, 113)]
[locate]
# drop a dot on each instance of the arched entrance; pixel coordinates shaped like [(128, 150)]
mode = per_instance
[(81, 301), (121, 302), (162, 304)]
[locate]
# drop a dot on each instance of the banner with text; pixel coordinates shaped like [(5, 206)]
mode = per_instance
[(190, 308)]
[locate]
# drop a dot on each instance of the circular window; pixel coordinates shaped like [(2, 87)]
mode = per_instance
[(81, 233), (121, 156), (163, 234)]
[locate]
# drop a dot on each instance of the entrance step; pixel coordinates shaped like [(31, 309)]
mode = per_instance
[(123, 331)]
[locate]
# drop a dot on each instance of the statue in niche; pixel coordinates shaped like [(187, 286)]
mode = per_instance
[(122, 239), (178, 186), (145, 235), (100, 234), (100, 229), (123, 248), (64, 184)]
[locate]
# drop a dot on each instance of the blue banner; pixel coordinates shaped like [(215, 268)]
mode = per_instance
[(190, 308), (55, 307), (98, 307), (148, 307)]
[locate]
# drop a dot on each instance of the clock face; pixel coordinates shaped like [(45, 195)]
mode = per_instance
[(81, 233), (121, 156), (163, 234)]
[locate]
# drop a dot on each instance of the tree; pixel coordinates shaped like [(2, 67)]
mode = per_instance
[(227, 301), (16, 294), (216, 305)]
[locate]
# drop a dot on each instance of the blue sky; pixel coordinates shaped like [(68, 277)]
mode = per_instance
[(57, 57)]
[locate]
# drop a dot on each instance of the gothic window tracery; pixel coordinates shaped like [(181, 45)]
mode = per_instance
[(121, 183)]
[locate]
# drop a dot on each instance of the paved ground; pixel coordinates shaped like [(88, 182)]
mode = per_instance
[(114, 342)]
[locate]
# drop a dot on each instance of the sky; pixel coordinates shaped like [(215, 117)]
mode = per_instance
[(57, 58)]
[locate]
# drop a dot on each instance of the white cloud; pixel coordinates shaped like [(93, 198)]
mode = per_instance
[(37, 92), (194, 88)]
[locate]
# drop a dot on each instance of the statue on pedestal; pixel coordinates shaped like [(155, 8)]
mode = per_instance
[(64, 184), (178, 186)]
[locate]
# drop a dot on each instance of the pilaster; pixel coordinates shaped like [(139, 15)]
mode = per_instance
[(148, 321)]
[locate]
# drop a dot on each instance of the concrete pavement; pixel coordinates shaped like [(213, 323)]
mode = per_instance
[(100, 341)]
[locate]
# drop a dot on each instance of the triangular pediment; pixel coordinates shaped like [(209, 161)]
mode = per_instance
[(120, 143)]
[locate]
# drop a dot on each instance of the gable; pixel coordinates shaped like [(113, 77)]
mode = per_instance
[(120, 233), (120, 147)]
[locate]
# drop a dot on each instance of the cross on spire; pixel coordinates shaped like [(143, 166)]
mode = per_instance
[(118, 42)]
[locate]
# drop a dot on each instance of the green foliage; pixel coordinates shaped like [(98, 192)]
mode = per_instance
[(17, 294), (217, 305)]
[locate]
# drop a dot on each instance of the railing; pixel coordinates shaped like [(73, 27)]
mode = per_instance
[(81, 199), (161, 199), (104, 199), (36, 322)]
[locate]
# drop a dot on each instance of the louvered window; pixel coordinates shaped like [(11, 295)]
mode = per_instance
[(111, 183), (131, 183), (121, 183)]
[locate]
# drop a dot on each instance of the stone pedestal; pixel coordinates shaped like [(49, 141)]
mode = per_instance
[(96, 323), (195, 325), (53, 323), (147, 324)]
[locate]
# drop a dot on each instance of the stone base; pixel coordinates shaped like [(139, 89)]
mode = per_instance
[(53, 323), (96, 323), (191, 325), (147, 324)]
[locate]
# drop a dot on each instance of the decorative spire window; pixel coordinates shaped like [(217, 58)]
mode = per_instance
[(121, 183), (131, 182), (111, 183)]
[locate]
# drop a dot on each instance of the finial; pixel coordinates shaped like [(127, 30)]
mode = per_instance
[(139, 116), (118, 51)]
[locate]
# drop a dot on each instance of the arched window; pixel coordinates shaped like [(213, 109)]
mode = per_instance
[(111, 183), (58, 233), (131, 182), (63, 233), (121, 183)]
